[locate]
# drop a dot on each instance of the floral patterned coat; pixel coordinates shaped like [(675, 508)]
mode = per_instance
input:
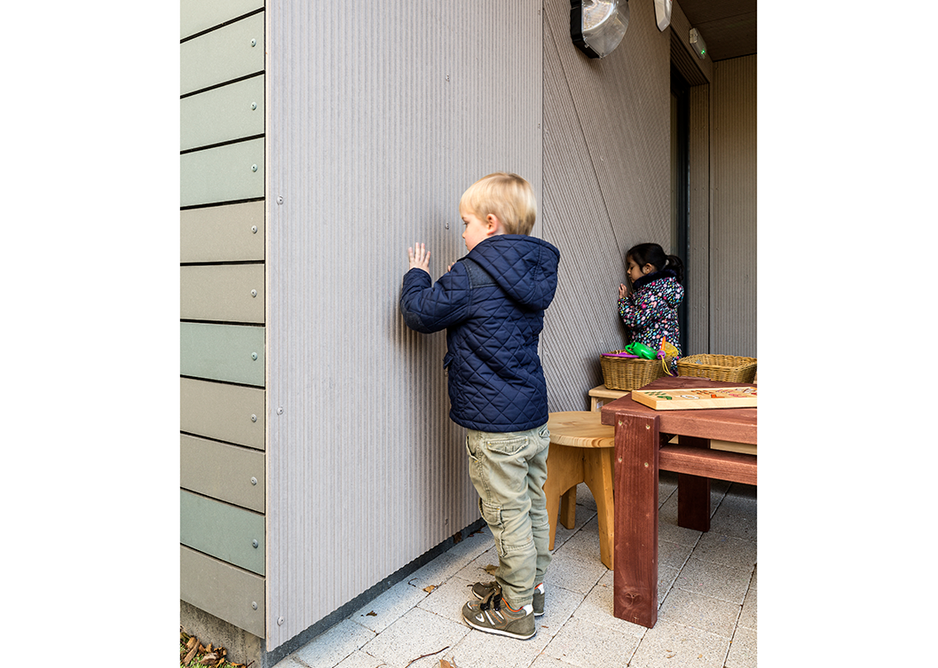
[(650, 312)]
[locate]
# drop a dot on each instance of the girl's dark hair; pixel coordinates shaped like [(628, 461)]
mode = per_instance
[(654, 255)]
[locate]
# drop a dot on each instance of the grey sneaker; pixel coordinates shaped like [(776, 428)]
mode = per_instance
[(493, 615), (481, 589)]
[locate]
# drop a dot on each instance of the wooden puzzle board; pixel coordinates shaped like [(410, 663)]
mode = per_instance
[(698, 397)]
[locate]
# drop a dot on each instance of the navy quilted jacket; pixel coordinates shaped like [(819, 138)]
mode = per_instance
[(492, 308)]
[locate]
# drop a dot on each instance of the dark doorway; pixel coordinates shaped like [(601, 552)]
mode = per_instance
[(680, 186)]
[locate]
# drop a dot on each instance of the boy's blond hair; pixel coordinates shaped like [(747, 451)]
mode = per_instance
[(508, 196)]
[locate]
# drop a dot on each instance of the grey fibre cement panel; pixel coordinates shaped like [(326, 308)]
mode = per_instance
[(223, 531), (224, 472), (222, 590), (223, 412)]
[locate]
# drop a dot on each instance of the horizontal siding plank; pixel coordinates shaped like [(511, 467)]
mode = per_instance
[(222, 174), (222, 55), (224, 472), (228, 353), (222, 114), (223, 531), (226, 293), (230, 233), (198, 15), (224, 412), (223, 590)]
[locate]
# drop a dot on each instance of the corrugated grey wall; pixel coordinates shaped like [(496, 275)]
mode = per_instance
[(733, 225), (606, 186), (379, 119)]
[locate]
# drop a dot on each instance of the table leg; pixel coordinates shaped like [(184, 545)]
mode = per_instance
[(693, 494), (635, 597)]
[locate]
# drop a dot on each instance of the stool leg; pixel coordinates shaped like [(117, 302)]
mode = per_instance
[(564, 470), (599, 472), (568, 508)]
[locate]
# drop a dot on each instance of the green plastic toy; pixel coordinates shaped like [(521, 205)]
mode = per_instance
[(641, 350)]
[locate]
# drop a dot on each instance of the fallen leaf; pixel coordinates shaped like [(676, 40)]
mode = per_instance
[(191, 654), (446, 664), (371, 614), (193, 641), (491, 570), (429, 588)]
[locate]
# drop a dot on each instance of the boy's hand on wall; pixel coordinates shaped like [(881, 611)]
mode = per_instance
[(419, 257)]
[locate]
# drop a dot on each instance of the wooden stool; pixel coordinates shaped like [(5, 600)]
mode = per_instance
[(582, 449)]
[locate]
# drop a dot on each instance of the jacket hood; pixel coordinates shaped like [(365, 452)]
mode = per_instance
[(671, 297), (524, 267)]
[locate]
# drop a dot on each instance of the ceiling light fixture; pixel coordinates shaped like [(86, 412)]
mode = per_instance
[(663, 13), (597, 26)]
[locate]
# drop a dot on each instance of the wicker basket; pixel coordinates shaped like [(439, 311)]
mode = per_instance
[(728, 368), (625, 373)]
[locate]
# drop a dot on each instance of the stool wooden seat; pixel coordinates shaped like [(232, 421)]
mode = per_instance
[(582, 449)]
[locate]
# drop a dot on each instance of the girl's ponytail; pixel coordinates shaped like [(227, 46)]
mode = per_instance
[(674, 262)]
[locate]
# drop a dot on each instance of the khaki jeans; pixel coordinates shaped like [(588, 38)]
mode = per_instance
[(508, 471)]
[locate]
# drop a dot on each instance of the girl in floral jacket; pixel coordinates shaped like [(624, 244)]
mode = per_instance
[(648, 304)]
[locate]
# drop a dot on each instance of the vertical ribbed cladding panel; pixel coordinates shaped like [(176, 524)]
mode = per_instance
[(607, 186), (378, 120), (733, 235)]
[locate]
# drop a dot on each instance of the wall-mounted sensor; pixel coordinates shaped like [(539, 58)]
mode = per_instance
[(697, 41)]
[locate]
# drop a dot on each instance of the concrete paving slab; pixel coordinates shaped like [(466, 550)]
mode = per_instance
[(414, 635), (749, 616), (671, 645), (727, 550), (472, 546), (714, 580), (701, 612), (448, 599), (290, 662), (389, 606), (742, 652), (359, 659), (666, 578), (736, 517), (544, 661), (586, 540), (597, 609), (569, 570), (672, 554), (586, 645), (436, 572), (559, 605), (669, 530), (331, 647), (475, 571), (486, 650)]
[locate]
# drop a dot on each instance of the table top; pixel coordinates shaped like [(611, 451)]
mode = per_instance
[(580, 429), (728, 424)]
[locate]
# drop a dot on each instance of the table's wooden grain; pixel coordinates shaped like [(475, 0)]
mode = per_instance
[(639, 457)]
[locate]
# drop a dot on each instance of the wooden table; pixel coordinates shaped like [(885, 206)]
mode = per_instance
[(640, 455)]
